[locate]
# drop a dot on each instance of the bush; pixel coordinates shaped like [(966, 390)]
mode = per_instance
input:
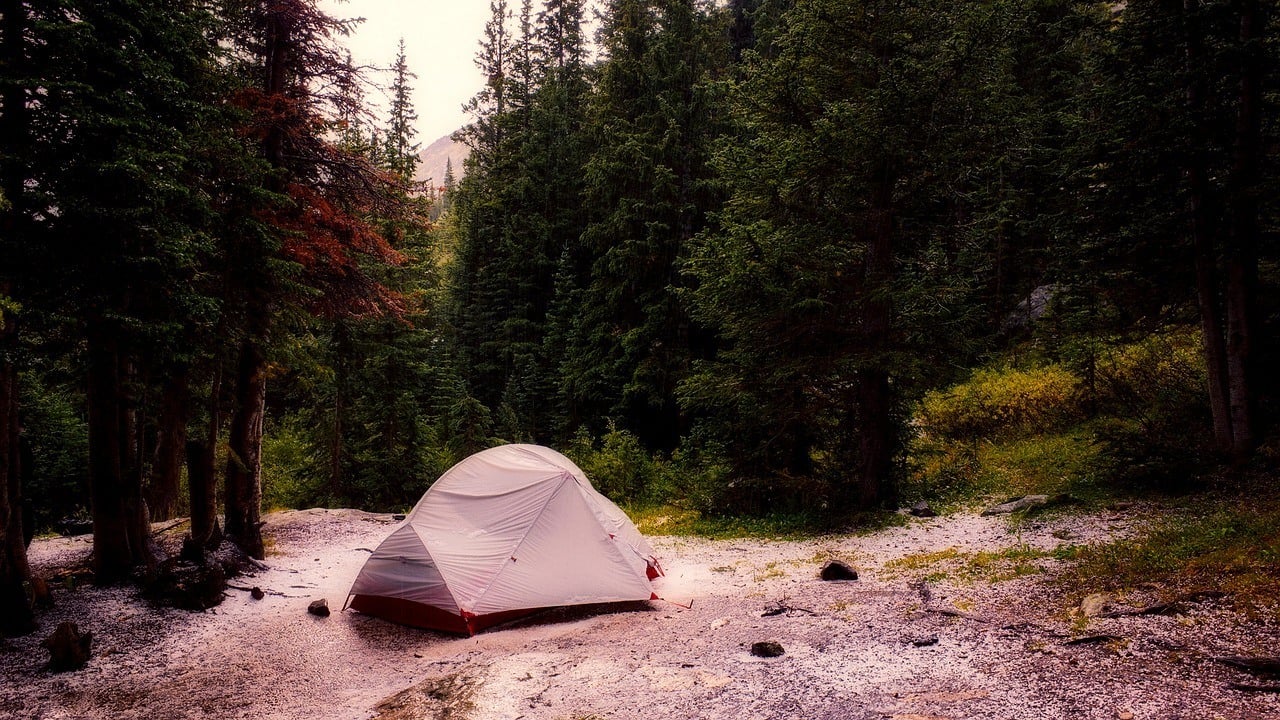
[(288, 467), (993, 402), (57, 435)]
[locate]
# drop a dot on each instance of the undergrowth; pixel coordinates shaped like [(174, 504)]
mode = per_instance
[(1226, 545), (656, 519)]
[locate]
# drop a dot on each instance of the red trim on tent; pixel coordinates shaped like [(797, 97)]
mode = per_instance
[(415, 614)]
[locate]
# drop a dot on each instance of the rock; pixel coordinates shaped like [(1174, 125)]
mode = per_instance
[(1095, 604), (319, 607), (1124, 715), (767, 649), (256, 593), (837, 570), (1026, 502), (68, 648), (923, 641), (189, 585), (40, 595), (922, 509)]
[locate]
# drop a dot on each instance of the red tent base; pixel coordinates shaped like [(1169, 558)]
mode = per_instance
[(414, 614)]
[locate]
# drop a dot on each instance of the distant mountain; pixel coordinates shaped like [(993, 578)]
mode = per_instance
[(432, 160)]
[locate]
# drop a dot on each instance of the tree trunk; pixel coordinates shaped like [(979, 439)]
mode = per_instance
[(1242, 254), (1203, 228), (201, 482), (120, 530), (243, 501), (166, 469), (873, 394), (15, 612)]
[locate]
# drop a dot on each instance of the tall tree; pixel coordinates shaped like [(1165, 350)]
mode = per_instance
[(305, 250), (15, 611), (646, 196), (126, 98), (1196, 177), (846, 124)]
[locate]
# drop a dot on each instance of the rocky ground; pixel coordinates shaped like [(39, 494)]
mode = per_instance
[(954, 617)]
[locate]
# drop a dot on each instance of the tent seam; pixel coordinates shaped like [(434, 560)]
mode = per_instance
[(525, 536)]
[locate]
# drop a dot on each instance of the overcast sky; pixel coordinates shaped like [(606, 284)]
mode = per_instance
[(441, 38)]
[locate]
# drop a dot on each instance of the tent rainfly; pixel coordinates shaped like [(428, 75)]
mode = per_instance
[(507, 531)]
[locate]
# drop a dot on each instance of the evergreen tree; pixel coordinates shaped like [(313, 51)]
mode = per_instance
[(628, 342), (850, 130), (401, 150)]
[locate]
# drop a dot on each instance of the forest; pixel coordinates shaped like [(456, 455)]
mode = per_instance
[(741, 258)]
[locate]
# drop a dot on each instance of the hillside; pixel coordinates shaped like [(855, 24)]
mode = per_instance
[(433, 158)]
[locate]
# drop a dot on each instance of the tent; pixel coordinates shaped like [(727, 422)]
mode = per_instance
[(505, 532)]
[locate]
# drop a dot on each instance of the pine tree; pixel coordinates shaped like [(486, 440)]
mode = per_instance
[(847, 124), (401, 150), (628, 343)]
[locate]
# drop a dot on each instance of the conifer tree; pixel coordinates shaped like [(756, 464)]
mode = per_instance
[(646, 195)]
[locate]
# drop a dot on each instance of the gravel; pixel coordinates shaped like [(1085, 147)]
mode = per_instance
[(914, 638)]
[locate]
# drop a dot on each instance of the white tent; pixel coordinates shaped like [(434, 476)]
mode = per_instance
[(504, 532)]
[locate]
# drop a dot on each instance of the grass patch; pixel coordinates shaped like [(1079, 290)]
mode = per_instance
[(956, 475), (673, 520), (991, 566), (1230, 546)]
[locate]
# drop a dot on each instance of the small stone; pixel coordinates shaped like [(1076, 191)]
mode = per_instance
[(767, 648), (319, 607), (837, 570), (256, 593), (925, 641), (1017, 504), (1095, 604), (1124, 715), (922, 509)]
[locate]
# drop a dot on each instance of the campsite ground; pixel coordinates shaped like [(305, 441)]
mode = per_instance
[(952, 617)]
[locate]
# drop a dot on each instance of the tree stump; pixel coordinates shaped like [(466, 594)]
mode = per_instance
[(68, 648)]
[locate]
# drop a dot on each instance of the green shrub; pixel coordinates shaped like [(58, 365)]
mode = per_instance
[(1009, 400), (57, 435), (289, 467)]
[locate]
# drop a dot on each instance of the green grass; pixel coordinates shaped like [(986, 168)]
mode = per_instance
[(1225, 545), (990, 566), (673, 520), (964, 474)]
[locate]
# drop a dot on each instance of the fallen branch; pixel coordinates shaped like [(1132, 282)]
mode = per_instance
[(1245, 687), (952, 612), (268, 592), (1093, 639), (784, 609), (170, 526), (1259, 665)]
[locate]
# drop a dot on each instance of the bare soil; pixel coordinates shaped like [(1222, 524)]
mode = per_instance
[(964, 643)]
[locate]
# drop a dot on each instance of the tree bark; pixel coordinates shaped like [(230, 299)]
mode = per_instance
[(171, 442), (16, 617), (201, 480), (121, 534), (243, 501), (873, 394), (1242, 253)]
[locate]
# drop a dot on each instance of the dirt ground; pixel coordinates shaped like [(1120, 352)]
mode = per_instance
[(882, 647)]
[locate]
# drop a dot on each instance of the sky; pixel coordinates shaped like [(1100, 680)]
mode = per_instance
[(441, 39)]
